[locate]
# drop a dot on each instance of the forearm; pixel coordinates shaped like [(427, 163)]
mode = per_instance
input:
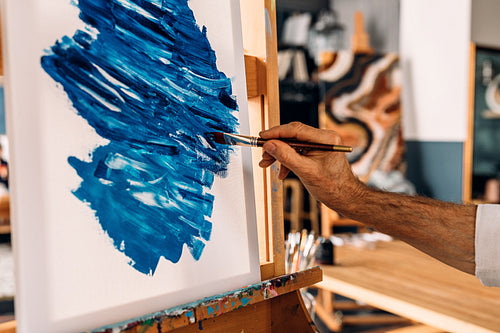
[(444, 230)]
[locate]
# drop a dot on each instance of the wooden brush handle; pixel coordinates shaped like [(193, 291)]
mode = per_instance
[(300, 145)]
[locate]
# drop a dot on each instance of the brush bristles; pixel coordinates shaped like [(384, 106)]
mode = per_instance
[(217, 137)]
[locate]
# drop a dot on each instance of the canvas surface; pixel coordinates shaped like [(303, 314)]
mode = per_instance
[(122, 207)]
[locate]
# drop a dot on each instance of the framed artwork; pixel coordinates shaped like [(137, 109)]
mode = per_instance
[(360, 98), (121, 204), (482, 163)]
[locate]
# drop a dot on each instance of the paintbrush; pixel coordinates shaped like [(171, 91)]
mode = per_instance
[(252, 141)]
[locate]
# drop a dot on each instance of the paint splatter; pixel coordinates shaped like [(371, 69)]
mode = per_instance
[(143, 75)]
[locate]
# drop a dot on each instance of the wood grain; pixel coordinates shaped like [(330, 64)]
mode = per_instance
[(398, 278), (469, 141), (261, 299)]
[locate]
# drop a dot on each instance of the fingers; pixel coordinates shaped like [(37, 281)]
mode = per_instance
[(290, 160), (301, 132), (267, 160), (275, 150), (284, 171)]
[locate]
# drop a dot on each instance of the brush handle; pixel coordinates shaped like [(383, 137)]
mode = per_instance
[(300, 145)]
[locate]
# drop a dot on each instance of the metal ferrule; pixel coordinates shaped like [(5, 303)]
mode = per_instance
[(240, 140), (344, 149)]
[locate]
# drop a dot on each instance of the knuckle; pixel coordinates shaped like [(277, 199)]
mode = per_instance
[(296, 125), (337, 139), (284, 156)]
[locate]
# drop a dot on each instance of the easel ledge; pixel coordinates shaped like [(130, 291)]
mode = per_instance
[(206, 312), (272, 304)]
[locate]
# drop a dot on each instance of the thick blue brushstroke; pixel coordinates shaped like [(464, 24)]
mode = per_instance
[(144, 76)]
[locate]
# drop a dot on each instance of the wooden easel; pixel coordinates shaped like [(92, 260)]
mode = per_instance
[(469, 144), (275, 304)]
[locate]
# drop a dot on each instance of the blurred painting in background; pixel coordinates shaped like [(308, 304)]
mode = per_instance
[(360, 100)]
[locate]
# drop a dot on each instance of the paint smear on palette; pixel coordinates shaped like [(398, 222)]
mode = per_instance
[(144, 76)]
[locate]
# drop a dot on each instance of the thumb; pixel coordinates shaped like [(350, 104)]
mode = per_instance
[(284, 154)]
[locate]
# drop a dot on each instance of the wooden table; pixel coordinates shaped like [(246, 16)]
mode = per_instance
[(402, 280)]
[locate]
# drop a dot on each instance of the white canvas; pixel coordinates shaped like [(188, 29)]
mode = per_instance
[(72, 275)]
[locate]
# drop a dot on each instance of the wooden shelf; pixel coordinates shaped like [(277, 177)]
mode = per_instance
[(402, 280), (5, 214), (345, 222), (5, 229), (488, 114)]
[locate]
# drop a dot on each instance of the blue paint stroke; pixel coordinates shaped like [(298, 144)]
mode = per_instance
[(210, 311), (245, 300), (143, 75)]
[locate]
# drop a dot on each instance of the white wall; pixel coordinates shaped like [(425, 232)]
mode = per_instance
[(381, 19), (485, 27), (434, 50)]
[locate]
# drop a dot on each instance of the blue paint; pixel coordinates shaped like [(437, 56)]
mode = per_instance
[(245, 300), (210, 311), (245, 293), (144, 76)]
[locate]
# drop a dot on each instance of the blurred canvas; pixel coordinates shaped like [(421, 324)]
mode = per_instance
[(361, 101)]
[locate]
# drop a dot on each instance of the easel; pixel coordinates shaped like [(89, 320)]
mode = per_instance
[(275, 304)]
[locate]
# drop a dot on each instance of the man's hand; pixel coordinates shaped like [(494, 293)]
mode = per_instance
[(327, 175), (443, 230)]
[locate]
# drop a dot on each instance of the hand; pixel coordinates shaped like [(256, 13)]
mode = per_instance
[(326, 175)]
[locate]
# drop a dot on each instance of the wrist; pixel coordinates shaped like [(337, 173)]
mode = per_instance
[(350, 197)]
